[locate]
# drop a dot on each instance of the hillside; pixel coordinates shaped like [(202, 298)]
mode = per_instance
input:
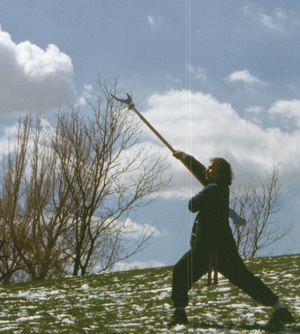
[(138, 302)]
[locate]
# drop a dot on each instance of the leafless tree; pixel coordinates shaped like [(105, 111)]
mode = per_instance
[(108, 172), (259, 206), (11, 190), (34, 206), (10, 262), (66, 192)]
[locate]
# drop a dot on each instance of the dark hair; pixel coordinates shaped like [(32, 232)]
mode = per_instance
[(224, 171)]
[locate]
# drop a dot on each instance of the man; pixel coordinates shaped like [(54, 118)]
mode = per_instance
[(212, 234)]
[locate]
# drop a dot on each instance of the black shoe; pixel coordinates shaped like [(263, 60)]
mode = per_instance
[(282, 315), (179, 318), (279, 318)]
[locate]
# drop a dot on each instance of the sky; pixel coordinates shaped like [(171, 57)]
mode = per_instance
[(215, 78)]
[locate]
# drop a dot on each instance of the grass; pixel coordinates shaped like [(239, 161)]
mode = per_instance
[(139, 302)]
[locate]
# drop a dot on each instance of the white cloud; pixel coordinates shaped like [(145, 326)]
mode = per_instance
[(255, 109), (154, 21), (280, 21), (243, 76), (199, 124), (254, 114), (33, 79), (287, 110), (134, 230), (86, 95), (198, 72), (122, 266)]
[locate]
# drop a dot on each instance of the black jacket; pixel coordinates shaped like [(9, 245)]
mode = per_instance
[(211, 230)]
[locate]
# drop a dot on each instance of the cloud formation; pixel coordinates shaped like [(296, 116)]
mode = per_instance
[(201, 125), (287, 109), (33, 79), (154, 21), (134, 230), (244, 76), (198, 72), (279, 21), (123, 266)]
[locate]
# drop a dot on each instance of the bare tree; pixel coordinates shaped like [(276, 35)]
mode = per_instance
[(11, 189), (259, 206), (108, 172), (10, 262), (35, 206), (66, 192)]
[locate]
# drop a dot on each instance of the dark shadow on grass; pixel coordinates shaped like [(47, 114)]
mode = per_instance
[(226, 327)]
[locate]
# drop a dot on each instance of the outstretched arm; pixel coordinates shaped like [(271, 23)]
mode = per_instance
[(193, 165)]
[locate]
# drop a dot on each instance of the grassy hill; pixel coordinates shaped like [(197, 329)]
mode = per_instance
[(138, 302)]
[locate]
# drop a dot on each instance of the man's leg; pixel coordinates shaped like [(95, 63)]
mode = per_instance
[(232, 266), (190, 268), (186, 271)]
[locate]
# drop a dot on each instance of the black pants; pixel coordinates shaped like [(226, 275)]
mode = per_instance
[(193, 265)]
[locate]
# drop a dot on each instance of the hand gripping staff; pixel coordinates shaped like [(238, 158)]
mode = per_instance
[(233, 215)]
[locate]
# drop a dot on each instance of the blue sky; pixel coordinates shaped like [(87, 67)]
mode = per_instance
[(214, 77)]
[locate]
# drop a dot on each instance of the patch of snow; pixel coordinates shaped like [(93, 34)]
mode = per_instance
[(6, 329), (22, 319), (224, 289), (178, 328), (238, 305), (68, 321)]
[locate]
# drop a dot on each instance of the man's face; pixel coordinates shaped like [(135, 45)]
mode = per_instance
[(211, 172)]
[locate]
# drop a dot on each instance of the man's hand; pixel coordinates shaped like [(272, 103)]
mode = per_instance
[(180, 155)]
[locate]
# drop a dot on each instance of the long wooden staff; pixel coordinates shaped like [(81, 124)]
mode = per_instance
[(239, 221), (131, 106)]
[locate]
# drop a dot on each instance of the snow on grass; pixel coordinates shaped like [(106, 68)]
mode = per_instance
[(139, 302)]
